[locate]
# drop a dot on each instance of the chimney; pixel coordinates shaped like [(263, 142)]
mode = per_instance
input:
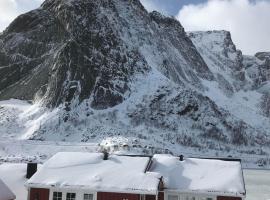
[(106, 155), (31, 170), (181, 157)]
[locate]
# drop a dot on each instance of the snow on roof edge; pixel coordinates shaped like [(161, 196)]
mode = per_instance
[(239, 192), (77, 187), (217, 193), (7, 192), (82, 160)]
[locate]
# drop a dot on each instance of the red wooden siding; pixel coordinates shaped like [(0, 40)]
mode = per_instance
[(117, 196), (228, 198), (150, 197), (161, 196), (39, 194)]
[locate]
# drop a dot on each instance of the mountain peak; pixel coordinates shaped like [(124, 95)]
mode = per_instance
[(109, 67), (91, 49)]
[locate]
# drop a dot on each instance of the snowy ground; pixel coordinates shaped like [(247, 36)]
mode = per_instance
[(257, 181), (257, 184), (19, 120), (23, 151)]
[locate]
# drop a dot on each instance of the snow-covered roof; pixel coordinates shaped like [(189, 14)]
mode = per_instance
[(81, 170), (200, 175), (5, 192)]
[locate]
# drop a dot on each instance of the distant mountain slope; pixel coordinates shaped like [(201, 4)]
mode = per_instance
[(98, 69), (242, 81)]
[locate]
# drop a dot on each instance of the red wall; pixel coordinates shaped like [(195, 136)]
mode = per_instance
[(117, 196), (43, 194), (161, 196), (228, 198), (150, 197)]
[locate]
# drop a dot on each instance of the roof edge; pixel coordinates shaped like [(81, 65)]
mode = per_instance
[(130, 191)]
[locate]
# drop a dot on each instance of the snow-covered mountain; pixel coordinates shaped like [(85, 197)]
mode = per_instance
[(109, 69)]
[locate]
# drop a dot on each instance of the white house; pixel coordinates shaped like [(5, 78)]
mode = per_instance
[(199, 179)]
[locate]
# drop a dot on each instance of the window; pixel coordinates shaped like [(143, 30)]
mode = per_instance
[(57, 195), (172, 197), (88, 197), (71, 196), (190, 198), (36, 197), (205, 198)]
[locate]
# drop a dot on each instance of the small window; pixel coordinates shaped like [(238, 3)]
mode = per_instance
[(71, 196), (190, 198), (36, 197), (172, 197), (88, 197), (57, 195), (209, 198)]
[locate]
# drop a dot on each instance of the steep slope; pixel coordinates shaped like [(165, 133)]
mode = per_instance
[(95, 49), (98, 69), (222, 57), (242, 81), (258, 70)]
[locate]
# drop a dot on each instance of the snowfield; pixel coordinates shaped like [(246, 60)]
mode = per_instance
[(257, 181), (257, 184), (19, 120), (13, 176)]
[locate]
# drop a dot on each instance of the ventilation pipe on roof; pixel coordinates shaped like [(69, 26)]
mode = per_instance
[(181, 157), (31, 170), (106, 155)]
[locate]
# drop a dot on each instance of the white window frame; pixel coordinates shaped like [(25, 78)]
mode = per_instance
[(182, 196), (62, 198), (175, 195), (88, 194), (70, 193), (79, 193)]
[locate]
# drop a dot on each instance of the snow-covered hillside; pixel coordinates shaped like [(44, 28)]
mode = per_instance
[(239, 81), (93, 71)]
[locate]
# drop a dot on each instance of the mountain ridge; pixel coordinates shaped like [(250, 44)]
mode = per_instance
[(109, 68)]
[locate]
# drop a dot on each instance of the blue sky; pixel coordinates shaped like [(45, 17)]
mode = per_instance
[(247, 20)]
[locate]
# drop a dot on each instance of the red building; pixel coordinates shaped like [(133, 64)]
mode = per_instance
[(93, 176)]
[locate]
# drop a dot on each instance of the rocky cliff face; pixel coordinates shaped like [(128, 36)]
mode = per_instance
[(242, 82), (91, 50), (104, 68)]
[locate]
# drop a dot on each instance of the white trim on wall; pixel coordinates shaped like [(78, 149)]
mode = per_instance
[(189, 196), (79, 193)]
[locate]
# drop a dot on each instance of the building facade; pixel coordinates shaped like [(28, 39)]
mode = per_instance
[(87, 176)]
